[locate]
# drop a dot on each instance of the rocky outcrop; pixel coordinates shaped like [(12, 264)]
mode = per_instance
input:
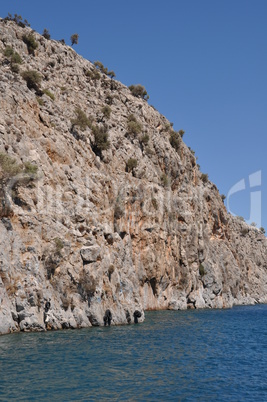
[(105, 212)]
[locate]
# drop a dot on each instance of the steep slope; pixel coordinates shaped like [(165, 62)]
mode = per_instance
[(125, 223)]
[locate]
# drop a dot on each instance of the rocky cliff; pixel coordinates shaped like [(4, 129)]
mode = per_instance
[(103, 207)]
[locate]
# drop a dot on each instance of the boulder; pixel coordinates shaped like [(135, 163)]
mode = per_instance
[(90, 254)]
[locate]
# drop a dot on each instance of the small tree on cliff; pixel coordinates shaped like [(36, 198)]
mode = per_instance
[(74, 39), (46, 34), (139, 91)]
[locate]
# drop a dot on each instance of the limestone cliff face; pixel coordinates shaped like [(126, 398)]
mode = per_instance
[(128, 228)]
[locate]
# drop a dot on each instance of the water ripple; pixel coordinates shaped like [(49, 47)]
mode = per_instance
[(207, 355)]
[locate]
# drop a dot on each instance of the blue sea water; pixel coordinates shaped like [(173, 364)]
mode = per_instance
[(200, 355)]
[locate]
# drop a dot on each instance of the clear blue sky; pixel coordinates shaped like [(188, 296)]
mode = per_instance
[(203, 63)]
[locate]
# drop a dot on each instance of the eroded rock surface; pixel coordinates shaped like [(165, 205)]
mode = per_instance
[(88, 232)]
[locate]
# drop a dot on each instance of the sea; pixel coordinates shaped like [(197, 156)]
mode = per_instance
[(193, 355)]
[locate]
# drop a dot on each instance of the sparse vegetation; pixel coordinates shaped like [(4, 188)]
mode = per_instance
[(87, 286), (15, 68), (93, 74), (13, 175), (31, 43), (59, 245), (240, 218), (223, 197), (133, 126), (144, 139), (106, 110), (40, 100), (103, 69), (139, 91), (15, 58), (205, 177), (81, 120), (149, 152), (49, 94), (74, 39), (33, 79), (244, 231), (181, 132), (9, 167), (201, 270), (46, 34), (101, 141), (111, 74), (8, 52), (262, 230), (154, 203), (30, 169), (17, 19), (164, 180), (131, 164), (175, 140)]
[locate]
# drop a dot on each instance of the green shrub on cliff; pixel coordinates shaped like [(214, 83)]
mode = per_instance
[(46, 34), (14, 56), (131, 164), (101, 141), (139, 91), (133, 126), (81, 120), (49, 94), (174, 140), (32, 78), (15, 68), (31, 43), (30, 169), (106, 110), (9, 166), (205, 177), (144, 140), (164, 180), (93, 75), (18, 20), (59, 245), (103, 69), (8, 52), (74, 39), (201, 270)]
